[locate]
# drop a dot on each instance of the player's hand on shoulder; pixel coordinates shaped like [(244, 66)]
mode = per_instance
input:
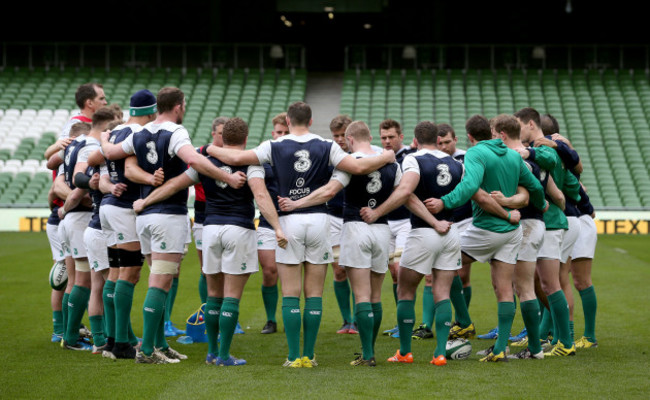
[(237, 180), (389, 156), (63, 143), (158, 177), (105, 135), (138, 206), (524, 153)]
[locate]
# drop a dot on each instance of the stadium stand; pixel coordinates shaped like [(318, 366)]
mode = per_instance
[(605, 113), (35, 104)]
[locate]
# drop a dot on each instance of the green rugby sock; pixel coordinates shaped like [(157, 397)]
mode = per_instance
[(342, 293), (395, 293), (506, 313), (160, 341), (365, 324), (270, 299), (571, 331), (97, 329), (171, 298), (560, 309), (108, 294), (589, 307), (153, 311), (77, 304), (57, 322), (311, 324), (427, 306), (291, 320), (458, 301), (530, 315), (378, 314), (203, 289), (64, 311), (443, 324), (123, 302), (227, 324), (133, 340), (546, 323), (405, 322), (212, 310), (467, 293)]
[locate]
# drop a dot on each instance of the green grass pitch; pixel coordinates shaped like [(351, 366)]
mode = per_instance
[(32, 367)]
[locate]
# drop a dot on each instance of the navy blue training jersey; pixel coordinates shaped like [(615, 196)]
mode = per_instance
[(530, 211), (272, 186), (464, 211), (335, 204), (96, 196), (439, 175), (70, 157), (152, 152), (369, 191), (401, 212), (301, 165), (225, 205), (116, 172)]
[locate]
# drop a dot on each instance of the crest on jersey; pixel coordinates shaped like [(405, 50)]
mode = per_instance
[(300, 182), (372, 203), (219, 183), (303, 163)]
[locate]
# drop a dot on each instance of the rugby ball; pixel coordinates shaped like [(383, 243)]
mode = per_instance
[(458, 349), (58, 276)]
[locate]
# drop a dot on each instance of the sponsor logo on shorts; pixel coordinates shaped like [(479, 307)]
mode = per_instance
[(95, 265), (326, 255), (61, 252), (259, 243), (75, 251), (120, 236), (163, 245), (199, 242), (243, 266), (458, 262)]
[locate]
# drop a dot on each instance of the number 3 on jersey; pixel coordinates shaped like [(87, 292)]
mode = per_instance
[(303, 163), (152, 155)]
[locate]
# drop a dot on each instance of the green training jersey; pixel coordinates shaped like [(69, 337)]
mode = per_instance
[(490, 165)]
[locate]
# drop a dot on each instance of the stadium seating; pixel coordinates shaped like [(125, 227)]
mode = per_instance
[(605, 113), (36, 104)]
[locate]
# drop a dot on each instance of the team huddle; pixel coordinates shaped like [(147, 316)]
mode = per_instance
[(421, 210)]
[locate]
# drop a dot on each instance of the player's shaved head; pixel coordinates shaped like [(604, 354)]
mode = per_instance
[(358, 130)]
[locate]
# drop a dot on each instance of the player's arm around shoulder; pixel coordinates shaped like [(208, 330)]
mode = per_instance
[(167, 190), (233, 156), (200, 163), (365, 165)]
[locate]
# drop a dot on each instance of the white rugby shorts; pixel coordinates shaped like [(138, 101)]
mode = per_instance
[(95, 241), (162, 233), (229, 249), (118, 223), (585, 246), (426, 249), (365, 246), (570, 238), (308, 239), (485, 246), (532, 239)]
